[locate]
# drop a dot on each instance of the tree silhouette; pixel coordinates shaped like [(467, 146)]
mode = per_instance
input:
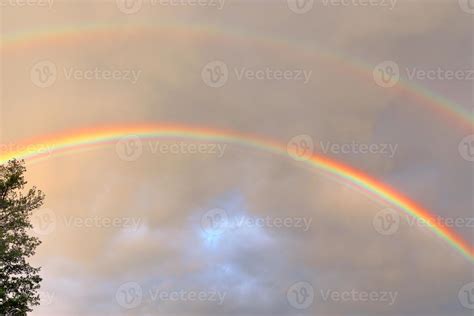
[(19, 281)]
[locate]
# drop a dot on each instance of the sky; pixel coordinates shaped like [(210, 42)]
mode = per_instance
[(181, 226)]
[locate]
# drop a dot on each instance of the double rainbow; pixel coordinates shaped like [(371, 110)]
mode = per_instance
[(90, 138), (86, 139)]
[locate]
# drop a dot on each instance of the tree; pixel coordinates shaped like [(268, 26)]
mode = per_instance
[(19, 281)]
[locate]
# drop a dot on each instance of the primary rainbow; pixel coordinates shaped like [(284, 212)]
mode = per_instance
[(74, 141), (87, 32)]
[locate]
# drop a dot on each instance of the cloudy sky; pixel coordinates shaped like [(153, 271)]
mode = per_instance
[(231, 229)]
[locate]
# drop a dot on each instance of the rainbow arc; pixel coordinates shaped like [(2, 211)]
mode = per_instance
[(90, 138)]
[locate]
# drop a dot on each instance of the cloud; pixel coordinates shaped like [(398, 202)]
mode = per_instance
[(141, 222)]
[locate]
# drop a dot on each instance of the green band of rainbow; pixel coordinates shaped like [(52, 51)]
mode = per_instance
[(77, 140)]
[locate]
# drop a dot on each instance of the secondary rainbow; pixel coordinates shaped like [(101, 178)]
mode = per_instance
[(74, 141), (202, 32)]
